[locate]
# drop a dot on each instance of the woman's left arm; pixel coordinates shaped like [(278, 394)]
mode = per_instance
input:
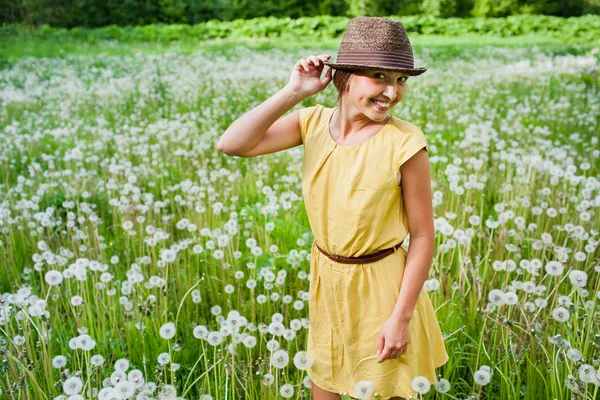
[(416, 191)]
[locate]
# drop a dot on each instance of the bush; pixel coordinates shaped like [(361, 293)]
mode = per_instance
[(574, 29)]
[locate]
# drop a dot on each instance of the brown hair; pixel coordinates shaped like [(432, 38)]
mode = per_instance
[(341, 80)]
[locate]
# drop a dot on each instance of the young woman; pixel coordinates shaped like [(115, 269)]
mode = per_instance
[(366, 186)]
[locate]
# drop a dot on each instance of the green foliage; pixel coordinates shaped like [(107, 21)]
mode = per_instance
[(563, 8), (92, 13), (367, 7), (440, 8), (576, 30)]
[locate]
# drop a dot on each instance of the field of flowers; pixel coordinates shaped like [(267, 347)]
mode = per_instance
[(138, 262)]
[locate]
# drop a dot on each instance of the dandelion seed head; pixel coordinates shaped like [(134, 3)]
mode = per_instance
[(482, 377), (364, 389), (421, 385)]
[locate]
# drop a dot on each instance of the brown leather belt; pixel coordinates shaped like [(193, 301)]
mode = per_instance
[(361, 259)]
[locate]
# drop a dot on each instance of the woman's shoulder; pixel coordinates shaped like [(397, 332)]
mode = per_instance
[(312, 110), (406, 127), (311, 119), (407, 132)]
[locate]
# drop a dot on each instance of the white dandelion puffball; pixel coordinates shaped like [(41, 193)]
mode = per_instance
[(167, 331), (578, 278), (496, 297), (72, 385), (250, 341), (97, 360), (289, 334), (421, 385), (442, 386), (276, 328), (200, 332), (53, 278), (59, 362), (206, 397), (482, 377), (124, 389), (76, 300), (574, 355), (85, 342), (268, 379), (167, 392), (587, 373), (303, 360), (215, 338), (280, 359), (561, 314), (486, 368), (511, 298), (107, 393), (136, 378), (273, 345), (286, 390), (306, 382), (168, 255), (122, 364), (564, 301), (554, 268), (164, 358), (364, 389), (19, 340), (117, 376)]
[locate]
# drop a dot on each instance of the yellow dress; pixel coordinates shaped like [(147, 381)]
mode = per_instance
[(355, 208)]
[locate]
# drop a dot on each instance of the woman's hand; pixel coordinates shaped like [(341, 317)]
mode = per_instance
[(306, 75), (393, 339)]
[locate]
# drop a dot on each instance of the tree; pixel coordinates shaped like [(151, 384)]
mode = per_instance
[(366, 7), (439, 8)]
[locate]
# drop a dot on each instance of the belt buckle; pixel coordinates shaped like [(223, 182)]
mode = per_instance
[(335, 256)]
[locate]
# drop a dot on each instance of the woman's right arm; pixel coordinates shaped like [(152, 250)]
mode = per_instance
[(260, 130)]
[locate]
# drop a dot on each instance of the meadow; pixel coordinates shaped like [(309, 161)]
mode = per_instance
[(138, 262)]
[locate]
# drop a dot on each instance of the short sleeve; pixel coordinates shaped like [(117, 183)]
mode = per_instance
[(304, 118), (411, 141)]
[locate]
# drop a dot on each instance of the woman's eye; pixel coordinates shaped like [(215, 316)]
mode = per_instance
[(401, 79)]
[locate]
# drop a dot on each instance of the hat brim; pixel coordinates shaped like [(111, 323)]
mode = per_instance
[(351, 67)]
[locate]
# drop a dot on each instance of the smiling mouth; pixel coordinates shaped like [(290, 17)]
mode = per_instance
[(381, 105)]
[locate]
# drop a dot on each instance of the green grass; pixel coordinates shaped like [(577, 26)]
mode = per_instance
[(501, 144), (12, 49)]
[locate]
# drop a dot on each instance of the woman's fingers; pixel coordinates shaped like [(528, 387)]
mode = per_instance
[(391, 354), (396, 353), (385, 354), (319, 59), (314, 60), (304, 64)]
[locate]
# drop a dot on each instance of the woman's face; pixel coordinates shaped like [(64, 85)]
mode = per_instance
[(375, 92)]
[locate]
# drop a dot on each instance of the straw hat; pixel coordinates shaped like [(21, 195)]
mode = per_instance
[(376, 43)]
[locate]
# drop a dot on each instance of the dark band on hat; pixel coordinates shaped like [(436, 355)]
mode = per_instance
[(383, 58)]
